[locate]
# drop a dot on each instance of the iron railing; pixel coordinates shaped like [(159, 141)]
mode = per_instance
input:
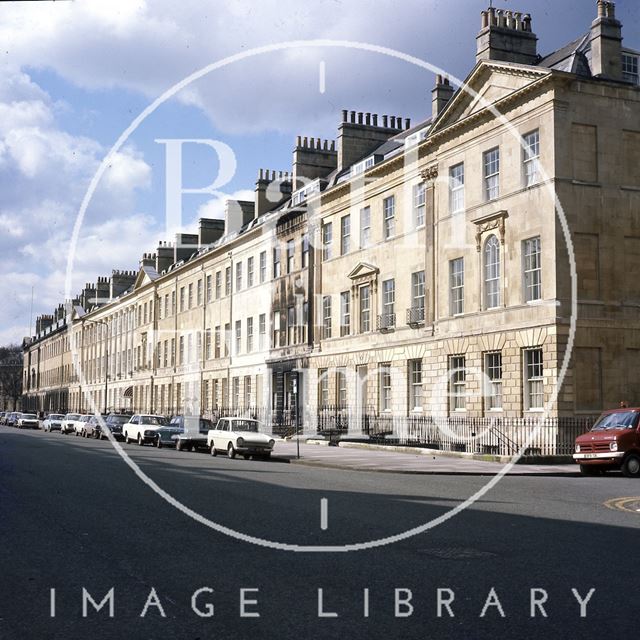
[(386, 322), (498, 436), (415, 316)]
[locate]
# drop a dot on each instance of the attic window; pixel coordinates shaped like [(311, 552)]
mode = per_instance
[(301, 195), (630, 68), (362, 166), (415, 138)]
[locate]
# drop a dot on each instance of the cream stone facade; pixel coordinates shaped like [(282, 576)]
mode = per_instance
[(400, 271)]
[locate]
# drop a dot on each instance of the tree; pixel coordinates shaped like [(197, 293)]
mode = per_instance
[(10, 376)]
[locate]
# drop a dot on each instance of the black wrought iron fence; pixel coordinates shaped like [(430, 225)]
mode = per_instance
[(500, 436)]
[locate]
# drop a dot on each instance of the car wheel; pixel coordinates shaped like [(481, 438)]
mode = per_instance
[(178, 445), (213, 450), (631, 466), (247, 456), (159, 443), (140, 441), (127, 439), (231, 452)]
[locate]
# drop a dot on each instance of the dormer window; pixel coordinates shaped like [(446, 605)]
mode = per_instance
[(362, 166), (630, 68), (301, 195)]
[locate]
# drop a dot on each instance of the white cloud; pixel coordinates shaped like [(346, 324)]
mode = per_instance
[(44, 172)]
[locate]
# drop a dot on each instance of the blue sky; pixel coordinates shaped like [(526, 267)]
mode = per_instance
[(75, 74)]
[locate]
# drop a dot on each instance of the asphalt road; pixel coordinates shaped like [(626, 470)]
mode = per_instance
[(74, 515)]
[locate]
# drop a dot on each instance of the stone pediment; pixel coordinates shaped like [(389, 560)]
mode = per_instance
[(487, 84), (145, 276), (363, 270)]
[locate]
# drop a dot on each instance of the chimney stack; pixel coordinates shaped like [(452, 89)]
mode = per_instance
[(507, 36), (120, 282), (359, 137), (311, 161), (148, 260), (237, 213), (164, 256), (440, 95), (185, 245), (271, 190), (606, 43), (209, 231)]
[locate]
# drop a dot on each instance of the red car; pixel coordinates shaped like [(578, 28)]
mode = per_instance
[(612, 443)]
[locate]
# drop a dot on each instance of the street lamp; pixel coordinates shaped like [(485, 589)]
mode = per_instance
[(106, 360)]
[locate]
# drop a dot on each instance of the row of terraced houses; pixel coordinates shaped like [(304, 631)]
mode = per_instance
[(398, 271)]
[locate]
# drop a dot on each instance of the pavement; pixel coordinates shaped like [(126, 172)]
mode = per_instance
[(324, 552), (390, 461)]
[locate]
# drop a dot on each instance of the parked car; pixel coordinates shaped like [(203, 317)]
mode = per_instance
[(612, 443), (28, 421), (92, 427), (194, 432), (239, 436), (167, 436), (12, 418), (68, 424), (2, 416), (53, 422), (142, 428), (80, 423), (114, 422)]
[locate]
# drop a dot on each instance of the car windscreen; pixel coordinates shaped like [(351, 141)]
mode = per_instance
[(73, 416), (617, 420), (29, 416), (153, 420), (56, 416), (245, 425), (117, 419)]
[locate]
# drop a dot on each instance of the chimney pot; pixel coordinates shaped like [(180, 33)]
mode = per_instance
[(384, 121), (484, 22), (353, 117), (368, 118), (375, 119), (407, 123), (344, 115), (359, 117)]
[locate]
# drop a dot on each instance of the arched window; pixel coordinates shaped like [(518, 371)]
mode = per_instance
[(492, 272)]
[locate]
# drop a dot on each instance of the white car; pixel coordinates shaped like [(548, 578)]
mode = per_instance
[(53, 422), (68, 424), (28, 421), (239, 436), (80, 423), (142, 428)]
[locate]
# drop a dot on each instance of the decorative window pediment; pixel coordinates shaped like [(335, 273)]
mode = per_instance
[(363, 271), (490, 222)]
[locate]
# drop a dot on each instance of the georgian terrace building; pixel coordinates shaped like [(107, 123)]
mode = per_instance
[(403, 270)]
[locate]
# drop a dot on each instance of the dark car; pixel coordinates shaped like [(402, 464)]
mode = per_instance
[(166, 436), (113, 422), (194, 432)]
